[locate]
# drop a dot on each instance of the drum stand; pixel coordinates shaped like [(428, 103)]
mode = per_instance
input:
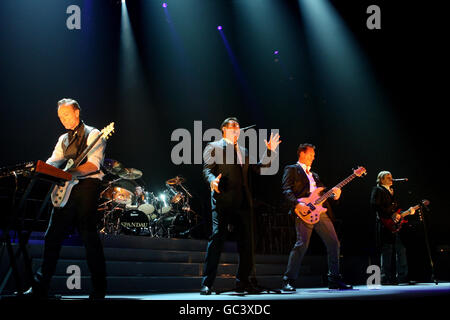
[(109, 227)]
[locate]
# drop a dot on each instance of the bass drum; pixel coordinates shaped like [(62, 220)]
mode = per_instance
[(134, 222)]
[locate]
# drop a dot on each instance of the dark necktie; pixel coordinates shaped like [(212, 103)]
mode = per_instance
[(239, 159)]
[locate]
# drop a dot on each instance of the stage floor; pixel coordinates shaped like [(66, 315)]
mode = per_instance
[(358, 293)]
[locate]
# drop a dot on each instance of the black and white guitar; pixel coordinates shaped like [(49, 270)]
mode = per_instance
[(60, 194)]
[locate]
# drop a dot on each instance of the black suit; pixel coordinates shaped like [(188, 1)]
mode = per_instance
[(385, 204), (389, 244), (232, 206), (296, 185)]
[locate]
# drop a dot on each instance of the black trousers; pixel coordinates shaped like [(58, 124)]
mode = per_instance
[(394, 263), (326, 231), (79, 212), (241, 222)]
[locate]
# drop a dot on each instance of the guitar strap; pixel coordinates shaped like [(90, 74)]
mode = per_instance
[(77, 144)]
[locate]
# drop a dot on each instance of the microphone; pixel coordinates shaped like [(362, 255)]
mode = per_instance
[(245, 128), (400, 180)]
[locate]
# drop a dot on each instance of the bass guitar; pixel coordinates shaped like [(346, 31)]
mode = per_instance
[(314, 202), (60, 194)]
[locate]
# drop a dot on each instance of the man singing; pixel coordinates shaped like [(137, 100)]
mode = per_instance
[(227, 171), (80, 210), (394, 266)]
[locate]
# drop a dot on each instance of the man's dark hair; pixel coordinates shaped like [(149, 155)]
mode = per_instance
[(225, 122), (71, 102), (303, 147)]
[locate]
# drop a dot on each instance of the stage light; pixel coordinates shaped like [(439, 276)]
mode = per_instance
[(219, 27), (162, 197), (164, 5), (275, 52)]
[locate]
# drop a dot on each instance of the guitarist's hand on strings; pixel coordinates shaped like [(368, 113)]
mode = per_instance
[(337, 193), (396, 217), (83, 170)]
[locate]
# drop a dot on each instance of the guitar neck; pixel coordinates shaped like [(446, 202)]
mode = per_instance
[(328, 194), (407, 212), (86, 151)]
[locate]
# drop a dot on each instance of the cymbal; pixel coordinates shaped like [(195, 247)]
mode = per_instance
[(130, 174), (113, 166), (176, 180)]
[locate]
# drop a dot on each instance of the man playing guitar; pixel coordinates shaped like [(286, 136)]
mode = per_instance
[(80, 209), (299, 181), (392, 249)]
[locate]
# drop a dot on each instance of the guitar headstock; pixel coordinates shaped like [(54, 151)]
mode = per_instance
[(108, 131), (360, 171)]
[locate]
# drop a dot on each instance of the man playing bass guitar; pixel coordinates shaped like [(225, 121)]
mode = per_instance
[(299, 181)]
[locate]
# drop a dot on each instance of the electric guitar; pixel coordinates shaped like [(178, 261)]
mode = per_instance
[(394, 225), (60, 194), (314, 202)]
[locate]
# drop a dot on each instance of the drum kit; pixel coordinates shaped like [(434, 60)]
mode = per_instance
[(137, 211)]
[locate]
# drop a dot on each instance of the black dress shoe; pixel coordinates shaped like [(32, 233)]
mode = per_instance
[(205, 291), (287, 286), (34, 292), (337, 283)]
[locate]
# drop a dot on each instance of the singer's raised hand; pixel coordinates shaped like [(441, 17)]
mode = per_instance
[(274, 141)]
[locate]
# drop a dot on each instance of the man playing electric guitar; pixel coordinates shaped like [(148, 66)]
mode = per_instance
[(389, 243), (80, 209), (299, 182)]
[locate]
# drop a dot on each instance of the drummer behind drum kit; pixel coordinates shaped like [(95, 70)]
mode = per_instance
[(139, 211)]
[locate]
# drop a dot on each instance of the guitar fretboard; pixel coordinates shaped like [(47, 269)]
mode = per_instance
[(328, 194)]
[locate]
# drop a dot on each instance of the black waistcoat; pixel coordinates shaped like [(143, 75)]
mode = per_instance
[(77, 142)]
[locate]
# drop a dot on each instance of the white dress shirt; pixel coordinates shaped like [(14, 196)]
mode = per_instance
[(95, 156), (312, 182)]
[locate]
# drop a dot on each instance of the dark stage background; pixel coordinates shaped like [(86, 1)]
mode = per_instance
[(363, 97)]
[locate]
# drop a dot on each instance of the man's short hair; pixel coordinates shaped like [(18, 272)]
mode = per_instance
[(381, 176), (69, 101), (303, 147), (227, 120)]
